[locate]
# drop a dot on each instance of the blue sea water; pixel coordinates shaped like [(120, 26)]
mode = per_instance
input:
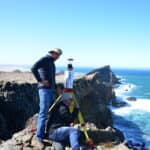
[(134, 118), (139, 78)]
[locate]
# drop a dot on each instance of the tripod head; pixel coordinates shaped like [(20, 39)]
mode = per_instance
[(70, 66)]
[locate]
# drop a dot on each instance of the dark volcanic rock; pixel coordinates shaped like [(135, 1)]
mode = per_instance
[(106, 75), (131, 98), (94, 91), (19, 101)]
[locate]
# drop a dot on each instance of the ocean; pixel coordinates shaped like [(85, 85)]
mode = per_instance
[(134, 118)]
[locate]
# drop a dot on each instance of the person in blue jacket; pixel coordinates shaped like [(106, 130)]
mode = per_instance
[(44, 72)]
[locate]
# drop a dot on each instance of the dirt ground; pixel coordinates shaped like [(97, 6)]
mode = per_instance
[(22, 77)]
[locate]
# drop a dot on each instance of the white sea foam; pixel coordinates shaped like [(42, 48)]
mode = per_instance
[(138, 105), (124, 88), (136, 112), (133, 118)]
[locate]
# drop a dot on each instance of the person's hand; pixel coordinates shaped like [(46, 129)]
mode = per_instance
[(72, 124), (77, 126), (46, 83)]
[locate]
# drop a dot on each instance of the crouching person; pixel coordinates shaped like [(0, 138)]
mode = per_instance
[(60, 129)]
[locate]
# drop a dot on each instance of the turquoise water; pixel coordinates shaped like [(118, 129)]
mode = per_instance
[(140, 78), (134, 119)]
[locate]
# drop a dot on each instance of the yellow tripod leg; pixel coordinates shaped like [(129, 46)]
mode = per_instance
[(55, 102), (81, 120)]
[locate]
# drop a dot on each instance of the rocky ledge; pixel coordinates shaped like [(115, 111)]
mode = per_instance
[(19, 101), (104, 139)]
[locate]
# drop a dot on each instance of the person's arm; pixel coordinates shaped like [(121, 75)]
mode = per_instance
[(35, 68), (50, 73)]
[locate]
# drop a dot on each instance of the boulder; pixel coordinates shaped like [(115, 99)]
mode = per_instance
[(131, 98)]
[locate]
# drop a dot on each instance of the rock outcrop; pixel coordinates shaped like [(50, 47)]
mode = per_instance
[(103, 140), (19, 101), (94, 92)]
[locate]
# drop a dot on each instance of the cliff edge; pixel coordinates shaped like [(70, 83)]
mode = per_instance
[(19, 101)]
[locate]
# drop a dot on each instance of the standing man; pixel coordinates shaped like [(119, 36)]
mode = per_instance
[(44, 72)]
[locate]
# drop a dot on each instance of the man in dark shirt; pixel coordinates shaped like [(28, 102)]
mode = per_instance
[(60, 121), (44, 72)]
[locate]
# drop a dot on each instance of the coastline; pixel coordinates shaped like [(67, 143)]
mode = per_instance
[(26, 76), (131, 119), (83, 88)]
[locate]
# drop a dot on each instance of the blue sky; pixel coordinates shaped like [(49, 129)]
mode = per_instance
[(93, 32)]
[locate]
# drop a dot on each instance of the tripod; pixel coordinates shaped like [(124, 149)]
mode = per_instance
[(69, 89)]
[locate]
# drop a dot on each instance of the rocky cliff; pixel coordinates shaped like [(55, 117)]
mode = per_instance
[(94, 92), (19, 101)]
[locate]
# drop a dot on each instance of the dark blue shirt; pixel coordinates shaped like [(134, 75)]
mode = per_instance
[(44, 69)]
